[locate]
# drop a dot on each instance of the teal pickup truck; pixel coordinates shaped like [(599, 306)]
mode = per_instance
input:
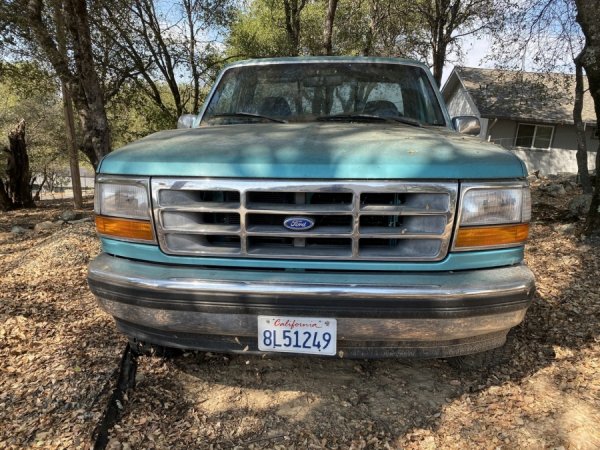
[(322, 206)]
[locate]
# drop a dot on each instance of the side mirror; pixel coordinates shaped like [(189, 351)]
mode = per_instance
[(467, 125), (186, 121)]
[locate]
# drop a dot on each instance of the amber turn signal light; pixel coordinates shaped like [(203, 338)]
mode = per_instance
[(124, 228), (492, 236)]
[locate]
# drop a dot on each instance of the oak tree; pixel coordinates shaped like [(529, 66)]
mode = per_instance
[(588, 17)]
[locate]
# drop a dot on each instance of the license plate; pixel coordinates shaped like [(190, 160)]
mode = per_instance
[(312, 335)]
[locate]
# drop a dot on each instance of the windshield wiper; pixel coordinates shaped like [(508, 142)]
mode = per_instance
[(247, 114), (369, 117), (406, 120)]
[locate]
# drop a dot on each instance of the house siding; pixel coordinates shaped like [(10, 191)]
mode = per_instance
[(561, 157), (459, 104), (502, 132), (465, 85), (552, 161)]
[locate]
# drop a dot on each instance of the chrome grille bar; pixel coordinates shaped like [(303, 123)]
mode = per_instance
[(354, 220)]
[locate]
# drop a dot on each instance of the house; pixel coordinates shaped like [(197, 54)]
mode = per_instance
[(529, 113)]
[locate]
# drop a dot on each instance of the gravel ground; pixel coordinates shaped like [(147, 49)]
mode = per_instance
[(59, 354)]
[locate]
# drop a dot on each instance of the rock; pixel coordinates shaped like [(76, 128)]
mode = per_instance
[(85, 219), (566, 228), (68, 215), (567, 175), (18, 230), (114, 444), (580, 205), (46, 226), (556, 190), (428, 443)]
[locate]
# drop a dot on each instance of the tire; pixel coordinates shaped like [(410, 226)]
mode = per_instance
[(484, 360)]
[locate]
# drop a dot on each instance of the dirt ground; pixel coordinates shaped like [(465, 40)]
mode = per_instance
[(59, 354)]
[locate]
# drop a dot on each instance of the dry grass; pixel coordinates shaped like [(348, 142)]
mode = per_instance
[(58, 354)]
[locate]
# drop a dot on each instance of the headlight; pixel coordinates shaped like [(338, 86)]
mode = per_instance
[(493, 216), (122, 200), (122, 208), (495, 206)]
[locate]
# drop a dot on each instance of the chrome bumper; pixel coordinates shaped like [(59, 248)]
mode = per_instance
[(178, 305)]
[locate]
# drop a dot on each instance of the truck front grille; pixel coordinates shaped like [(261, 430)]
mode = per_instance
[(353, 220)]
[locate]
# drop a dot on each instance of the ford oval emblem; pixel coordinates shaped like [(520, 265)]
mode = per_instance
[(298, 223)]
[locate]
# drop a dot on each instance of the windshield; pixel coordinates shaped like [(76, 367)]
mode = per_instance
[(305, 92)]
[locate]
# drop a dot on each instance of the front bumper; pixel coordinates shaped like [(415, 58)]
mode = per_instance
[(378, 314)]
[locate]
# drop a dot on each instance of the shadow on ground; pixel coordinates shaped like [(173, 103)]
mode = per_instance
[(544, 396), (58, 355)]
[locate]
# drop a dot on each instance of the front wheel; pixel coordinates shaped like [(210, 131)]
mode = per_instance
[(485, 360)]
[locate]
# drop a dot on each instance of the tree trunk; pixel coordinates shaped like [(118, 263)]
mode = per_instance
[(593, 219), (328, 28), (88, 97), (588, 16), (293, 10), (72, 147), (582, 154), (17, 169), (68, 113), (38, 193), (370, 36), (439, 59), (437, 24), (78, 71), (188, 7), (5, 202)]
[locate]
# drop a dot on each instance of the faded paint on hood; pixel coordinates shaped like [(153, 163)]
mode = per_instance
[(314, 150)]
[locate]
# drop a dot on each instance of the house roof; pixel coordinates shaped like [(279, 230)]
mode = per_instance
[(516, 95)]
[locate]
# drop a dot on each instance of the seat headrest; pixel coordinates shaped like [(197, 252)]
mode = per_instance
[(275, 106)]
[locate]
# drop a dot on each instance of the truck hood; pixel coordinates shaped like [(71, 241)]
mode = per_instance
[(314, 150)]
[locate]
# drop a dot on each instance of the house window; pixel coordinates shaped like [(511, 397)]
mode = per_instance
[(534, 136)]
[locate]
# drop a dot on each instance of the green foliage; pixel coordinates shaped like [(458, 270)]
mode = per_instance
[(28, 79), (424, 30), (167, 51), (133, 115), (374, 27), (351, 39), (380, 28), (29, 92), (259, 31)]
